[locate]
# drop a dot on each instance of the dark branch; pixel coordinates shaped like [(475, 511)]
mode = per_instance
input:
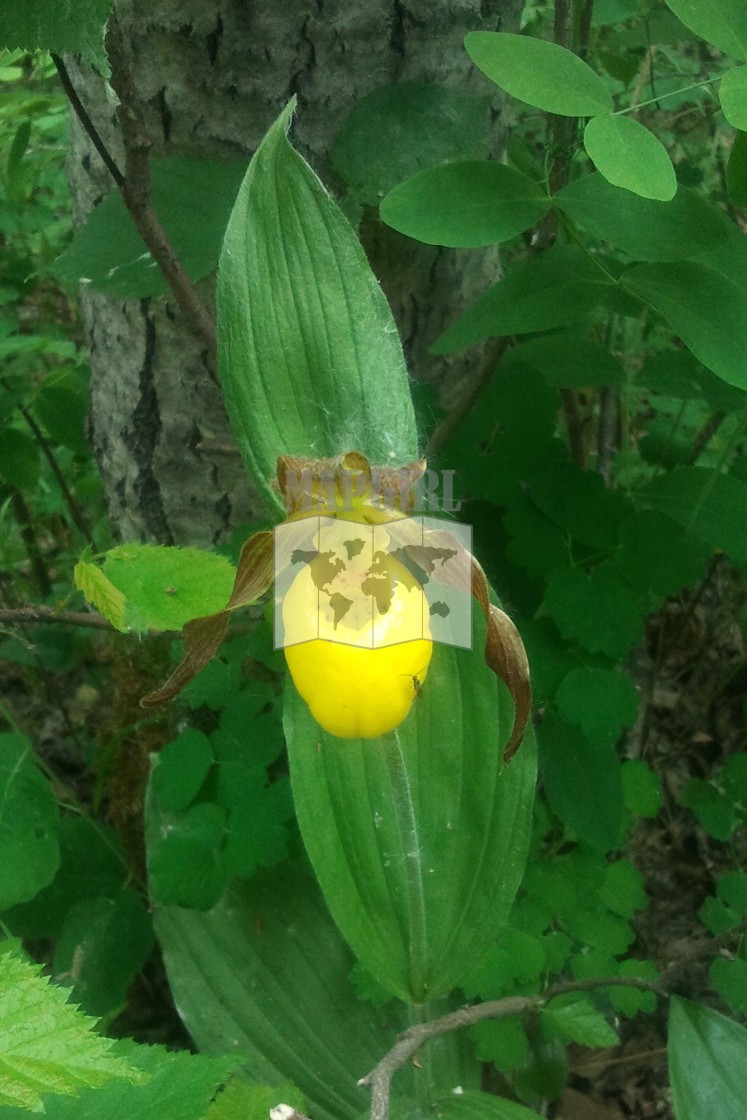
[(82, 114), (14, 615), (410, 1041), (136, 189)]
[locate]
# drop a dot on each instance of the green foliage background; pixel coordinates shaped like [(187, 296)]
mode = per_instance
[(603, 468)]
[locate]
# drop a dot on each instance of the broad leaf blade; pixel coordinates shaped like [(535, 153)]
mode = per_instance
[(310, 359), (553, 289), (707, 1054), (630, 156), (265, 974), (109, 255), (709, 505), (646, 229), (582, 781), (418, 839), (50, 26), (733, 96), (494, 203), (29, 821), (723, 24), (423, 124), (539, 72), (704, 307)]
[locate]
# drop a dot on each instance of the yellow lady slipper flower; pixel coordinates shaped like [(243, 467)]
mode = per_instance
[(362, 671)]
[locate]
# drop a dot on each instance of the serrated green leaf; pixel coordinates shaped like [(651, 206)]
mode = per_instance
[(549, 655), (108, 254), (732, 890), (181, 768), (418, 860), (101, 593), (630, 156), (582, 782), (49, 26), (717, 917), (549, 290), (599, 701), (622, 890), (46, 1045), (706, 1063), (165, 587), (723, 24), (704, 503), (185, 867), (424, 125), (729, 978), (103, 944), (494, 203), (310, 359), (599, 611), (704, 307), (92, 864), (648, 230), (29, 821), (579, 502), (656, 555), (539, 72), (177, 1086), (501, 1041), (242, 1099), (715, 810), (19, 462), (641, 788), (629, 1001), (538, 544), (577, 1020)]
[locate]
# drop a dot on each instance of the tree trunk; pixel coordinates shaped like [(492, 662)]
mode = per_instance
[(212, 76)]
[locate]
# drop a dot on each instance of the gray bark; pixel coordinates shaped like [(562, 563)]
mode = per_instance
[(213, 75)]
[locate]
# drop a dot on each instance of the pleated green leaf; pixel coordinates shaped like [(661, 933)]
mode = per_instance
[(707, 1054), (310, 359), (465, 204), (419, 838), (482, 1106), (265, 973)]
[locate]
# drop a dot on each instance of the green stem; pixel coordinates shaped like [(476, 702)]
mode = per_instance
[(664, 96)]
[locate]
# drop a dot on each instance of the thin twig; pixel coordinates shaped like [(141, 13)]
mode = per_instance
[(409, 1042), (705, 435), (14, 615), (79, 518), (136, 188), (82, 114), (606, 431), (25, 523), (445, 430)]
